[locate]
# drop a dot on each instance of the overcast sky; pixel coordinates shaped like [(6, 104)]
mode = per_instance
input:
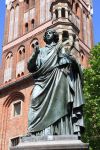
[(96, 22)]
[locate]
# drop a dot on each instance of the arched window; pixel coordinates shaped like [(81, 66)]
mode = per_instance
[(11, 25), (65, 36), (9, 60), (16, 23), (56, 13), (20, 61), (32, 45), (21, 53), (63, 12), (8, 67)]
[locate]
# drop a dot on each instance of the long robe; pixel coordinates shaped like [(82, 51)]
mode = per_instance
[(57, 94)]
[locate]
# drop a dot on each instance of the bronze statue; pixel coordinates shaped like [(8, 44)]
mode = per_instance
[(56, 100)]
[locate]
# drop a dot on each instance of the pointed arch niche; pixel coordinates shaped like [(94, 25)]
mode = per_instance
[(32, 45), (8, 67), (8, 126), (20, 68)]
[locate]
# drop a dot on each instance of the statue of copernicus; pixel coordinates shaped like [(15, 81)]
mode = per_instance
[(56, 100)]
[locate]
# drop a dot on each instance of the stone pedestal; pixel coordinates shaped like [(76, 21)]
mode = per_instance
[(51, 143)]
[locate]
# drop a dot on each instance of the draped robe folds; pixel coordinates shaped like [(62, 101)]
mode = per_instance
[(57, 92)]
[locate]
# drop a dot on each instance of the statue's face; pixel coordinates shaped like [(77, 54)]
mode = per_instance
[(49, 35)]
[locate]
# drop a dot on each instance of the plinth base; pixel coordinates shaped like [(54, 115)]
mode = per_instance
[(51, 143)]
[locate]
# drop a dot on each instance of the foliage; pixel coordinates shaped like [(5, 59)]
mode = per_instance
[(92, 100)]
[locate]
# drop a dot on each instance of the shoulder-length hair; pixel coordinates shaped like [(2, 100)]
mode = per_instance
[(55, 35)]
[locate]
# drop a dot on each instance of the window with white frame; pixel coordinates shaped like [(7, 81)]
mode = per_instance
[(17, 108)]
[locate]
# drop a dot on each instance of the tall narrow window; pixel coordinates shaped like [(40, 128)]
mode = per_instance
[(77, 9), (26, 4), (63, 12), (20, 62), (56, 13), (48, 14), (88, 32), (26, 27), (85, 28), (17, 108), (65, 36), (11, 25), (42, 11), (31, 14), (8, 68), (32, 23), (16, 21)]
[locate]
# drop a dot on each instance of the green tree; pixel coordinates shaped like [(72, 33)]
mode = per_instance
[(92, 100)]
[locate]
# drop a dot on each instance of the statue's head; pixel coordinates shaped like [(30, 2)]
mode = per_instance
[(51, 36)]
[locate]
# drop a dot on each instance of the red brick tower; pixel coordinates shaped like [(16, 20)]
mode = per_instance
[(25, 23)]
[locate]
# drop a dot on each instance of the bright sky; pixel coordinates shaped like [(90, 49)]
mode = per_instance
[(96, 22)]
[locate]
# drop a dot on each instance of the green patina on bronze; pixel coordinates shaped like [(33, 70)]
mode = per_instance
[(56, 100)]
